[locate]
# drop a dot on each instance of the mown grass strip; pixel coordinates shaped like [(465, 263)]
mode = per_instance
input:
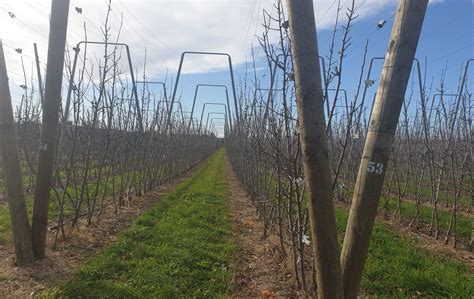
[(179, 248), (398, 268)]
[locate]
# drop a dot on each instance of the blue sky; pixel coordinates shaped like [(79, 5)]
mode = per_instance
[(447, 40), (168, 27)]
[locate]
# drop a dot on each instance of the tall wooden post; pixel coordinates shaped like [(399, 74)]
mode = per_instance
[(390, 95), (13, 178), (52, 102), (312, 124)]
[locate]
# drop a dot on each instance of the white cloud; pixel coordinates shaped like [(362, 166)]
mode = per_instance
[(165, 27)]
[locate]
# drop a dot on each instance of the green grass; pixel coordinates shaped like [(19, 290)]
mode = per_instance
[(179, 248), (5, 224), (397, 267)]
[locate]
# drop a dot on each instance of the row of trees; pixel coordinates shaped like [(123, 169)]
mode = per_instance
[(296, 145), (105, 144), (422, 169)]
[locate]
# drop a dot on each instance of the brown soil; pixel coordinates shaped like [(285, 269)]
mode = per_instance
[(68, 256), (258, 267)]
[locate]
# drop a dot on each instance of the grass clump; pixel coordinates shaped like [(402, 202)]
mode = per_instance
[(179, 248)]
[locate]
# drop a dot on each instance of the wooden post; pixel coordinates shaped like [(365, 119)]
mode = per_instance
[(390, 95), (13, 179), (52, 102), (312, 124)]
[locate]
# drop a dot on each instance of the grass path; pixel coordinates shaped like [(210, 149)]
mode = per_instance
[(178, 248), (182, 247)]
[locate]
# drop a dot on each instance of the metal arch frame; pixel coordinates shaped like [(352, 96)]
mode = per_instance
[(218, 128), (220, 120), (437, 117), (270, 94), (418, 66), (267, 110), (218, 113), (214, 130), (267, 103), (214, 125), (212, 85), (180, 112), (186, 112), (183, 115), (217, 123), (204, 108), (458, 94), (326, 96), (180, 109), (130, 65), (170, 111), (326, 88), (364, 93), (266, 89), (163, 84), (229, 58), (420, 85), (194, 122), (257, 106), (433, 102), (344, 91)]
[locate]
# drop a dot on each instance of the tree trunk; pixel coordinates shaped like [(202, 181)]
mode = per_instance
[(13, 179)]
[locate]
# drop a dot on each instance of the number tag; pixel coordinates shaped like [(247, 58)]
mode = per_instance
[(375, 167)]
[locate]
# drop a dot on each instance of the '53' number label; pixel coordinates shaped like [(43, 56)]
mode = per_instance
[(375, 167)]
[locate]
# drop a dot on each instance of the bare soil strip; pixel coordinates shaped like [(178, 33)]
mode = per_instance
[(62, 262), (258, 268)]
